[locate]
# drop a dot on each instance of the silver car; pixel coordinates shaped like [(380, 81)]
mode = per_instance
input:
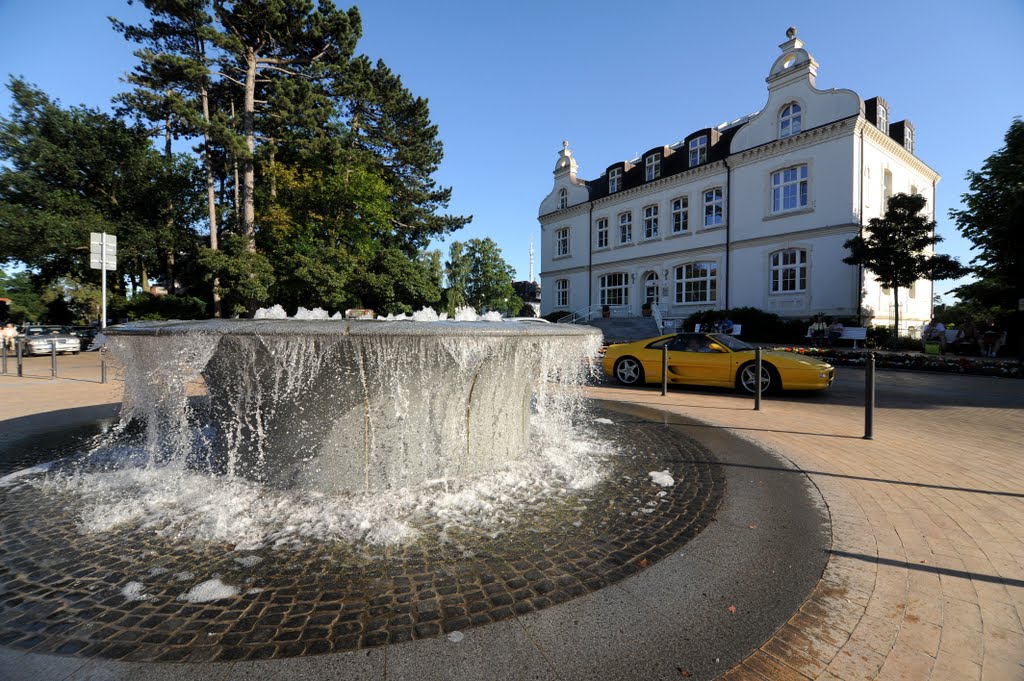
[(39, 340)]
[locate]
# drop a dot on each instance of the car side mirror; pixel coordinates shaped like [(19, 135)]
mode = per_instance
[(715, 347)]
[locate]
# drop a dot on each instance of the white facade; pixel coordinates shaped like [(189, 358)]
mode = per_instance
[(767, 210)]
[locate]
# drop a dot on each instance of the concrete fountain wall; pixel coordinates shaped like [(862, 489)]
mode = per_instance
[(346, 405)]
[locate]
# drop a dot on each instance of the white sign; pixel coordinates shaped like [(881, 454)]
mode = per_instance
[(101, 249)]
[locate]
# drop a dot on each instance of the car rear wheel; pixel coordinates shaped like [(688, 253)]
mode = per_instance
[(629, 371), (746, 381)]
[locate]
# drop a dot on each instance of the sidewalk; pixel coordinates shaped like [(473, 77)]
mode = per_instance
[(926, 576)]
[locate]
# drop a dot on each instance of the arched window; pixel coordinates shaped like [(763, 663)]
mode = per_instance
[(563, 198), (789, 120), (789, 270), (614, 289)]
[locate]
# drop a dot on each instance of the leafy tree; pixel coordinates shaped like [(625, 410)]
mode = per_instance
[(69, 172), (895, 248), (991, 219), (478, 275), (246, 276), (26, 303)]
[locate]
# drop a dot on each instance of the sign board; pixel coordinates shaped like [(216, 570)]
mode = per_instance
[(100, 251)]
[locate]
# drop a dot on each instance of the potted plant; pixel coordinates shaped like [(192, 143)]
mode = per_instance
[(645, 309), (606, 311)]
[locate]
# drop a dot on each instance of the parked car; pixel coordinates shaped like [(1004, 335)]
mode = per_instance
[(87, 334), (714, 359), (39, 340)]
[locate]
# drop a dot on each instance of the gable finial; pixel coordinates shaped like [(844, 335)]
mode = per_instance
[(791, 32)]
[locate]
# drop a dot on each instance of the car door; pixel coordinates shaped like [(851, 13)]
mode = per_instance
[(693, 359)]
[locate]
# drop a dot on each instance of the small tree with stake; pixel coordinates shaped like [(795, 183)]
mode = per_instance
[(894, 248)]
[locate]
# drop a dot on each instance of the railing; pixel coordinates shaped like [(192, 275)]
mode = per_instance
[(656, 313), (584, 315)]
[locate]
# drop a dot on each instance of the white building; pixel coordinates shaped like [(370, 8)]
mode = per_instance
[(751, 213)]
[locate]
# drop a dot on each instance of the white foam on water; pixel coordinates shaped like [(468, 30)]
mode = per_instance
[(275, 312), (17, 477), (210, 590), (135, 591), (662, 478), (249, 561), (607, 422)]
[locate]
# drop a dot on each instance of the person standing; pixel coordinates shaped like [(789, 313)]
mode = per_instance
[(8, 335)]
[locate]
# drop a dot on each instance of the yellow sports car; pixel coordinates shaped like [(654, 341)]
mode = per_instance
[(714, 359)]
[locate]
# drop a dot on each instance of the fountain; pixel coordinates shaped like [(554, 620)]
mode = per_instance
[(349, 405), (284, 487)]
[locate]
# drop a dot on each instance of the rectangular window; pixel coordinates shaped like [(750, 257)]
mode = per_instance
[(698, 150), (789, 270), (697, 283), (626, 227), (883, 118), (653, 167), (562, 293), (789, 189), (908, 139), (614, 289), (651, 222), (713, 207), (680, 214), (562, 241), (614, 180), (602, 233)]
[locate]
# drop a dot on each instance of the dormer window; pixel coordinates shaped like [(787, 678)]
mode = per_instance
[(653, 167), (698, 150), (882, 116), (614, 180), (789, 120), (908, 139), (563, 198)]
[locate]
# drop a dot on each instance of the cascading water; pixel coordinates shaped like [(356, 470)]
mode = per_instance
[(336, 428)]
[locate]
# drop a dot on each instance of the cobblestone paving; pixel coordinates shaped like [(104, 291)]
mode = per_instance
[(64, 592)]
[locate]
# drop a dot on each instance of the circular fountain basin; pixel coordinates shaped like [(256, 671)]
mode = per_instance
[(347, 405)]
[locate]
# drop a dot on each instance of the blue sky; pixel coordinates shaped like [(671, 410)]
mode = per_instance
[(507, 82)]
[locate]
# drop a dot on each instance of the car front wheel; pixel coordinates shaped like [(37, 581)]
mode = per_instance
[(629, 371), (746, 381)]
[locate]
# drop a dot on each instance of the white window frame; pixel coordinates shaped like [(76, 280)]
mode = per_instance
[(698, 150), (652, 167), (651, 222), (614, 288), (614, 180), (696, 282), (790, 120), (680, 214), (626, 227), (563, 198), (882, 115), (562, 293), (714, 210), (602, 233), (908, 138), (562, 243), (791, 189), (788, 268), (886, 189)]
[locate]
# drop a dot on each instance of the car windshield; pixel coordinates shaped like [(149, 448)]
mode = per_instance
[(730, 342)]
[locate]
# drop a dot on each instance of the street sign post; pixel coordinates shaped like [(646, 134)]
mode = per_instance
[(103, 256)]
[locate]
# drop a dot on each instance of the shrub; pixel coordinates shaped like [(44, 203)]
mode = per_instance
[(147, 307)]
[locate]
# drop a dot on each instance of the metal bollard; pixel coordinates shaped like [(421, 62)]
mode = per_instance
[(3, 354), (664, 369), (103, 369), (17, 345), (53, 359), (757, 373), (869, 398)]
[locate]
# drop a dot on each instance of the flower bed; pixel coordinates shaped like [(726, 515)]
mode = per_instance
[(914, 361)]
